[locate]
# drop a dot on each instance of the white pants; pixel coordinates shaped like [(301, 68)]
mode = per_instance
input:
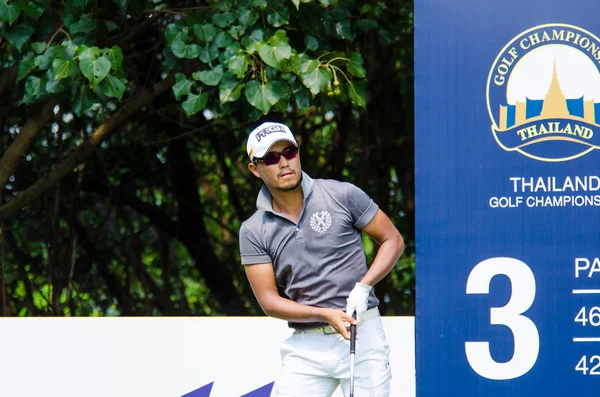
[(314, 364)]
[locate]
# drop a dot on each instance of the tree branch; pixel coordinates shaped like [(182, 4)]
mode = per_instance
[(18, 148), (84, 150), (154, 214)]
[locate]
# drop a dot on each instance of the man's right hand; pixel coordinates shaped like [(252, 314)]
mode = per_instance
[(339, 320)]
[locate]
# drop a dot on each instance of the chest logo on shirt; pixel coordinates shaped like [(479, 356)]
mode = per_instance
[(320, 221)]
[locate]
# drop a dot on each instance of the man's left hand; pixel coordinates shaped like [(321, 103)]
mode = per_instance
[(357, 301)]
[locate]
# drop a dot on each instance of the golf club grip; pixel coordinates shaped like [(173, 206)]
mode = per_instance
[(353, 336)]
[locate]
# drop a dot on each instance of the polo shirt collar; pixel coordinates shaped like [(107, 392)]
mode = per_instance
[(264, 201)]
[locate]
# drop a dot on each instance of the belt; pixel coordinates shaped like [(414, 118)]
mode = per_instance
[(328, 329)]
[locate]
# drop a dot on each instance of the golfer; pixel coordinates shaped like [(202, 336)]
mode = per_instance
[(303, 255)]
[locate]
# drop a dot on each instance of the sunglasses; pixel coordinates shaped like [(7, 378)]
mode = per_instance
[(272, 158)]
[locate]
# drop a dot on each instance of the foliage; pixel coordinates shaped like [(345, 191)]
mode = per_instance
[(249, 45), (123, 133)]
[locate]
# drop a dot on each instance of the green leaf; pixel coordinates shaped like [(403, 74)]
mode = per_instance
[(279, 37), (316, 80), (95, 70), (84, 25), (339, 13), (179, 48), (230, 88), (311, 42), (113, 87), (70, 49), (365, 8), (54, 86), (33, 9), (279, 17), (344, 29), (25, 66), (171, 31), (263, 96), (87, 53), (237, 31), (355, 65), (357, 91), (34, 87), (303, 63), (231, 50), (385, 36), (247, 17), (111, 26), (302, 98), (224, 6), (209, 77), (223, 20), (82, 100), (18, 35), (205, 32), (170, 61), (194, 103), (192, 51), (9, 12), (115, 56), (182, 86), (253, 42), (62, 69), (222, 39), (209, 53), (262, 4), (296, 3), (45, 60), (238, 65), (366, 25), (38, 47), (67, 18), (275, 55)]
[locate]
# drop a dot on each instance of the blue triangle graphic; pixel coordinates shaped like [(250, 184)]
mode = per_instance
[(204, 391), (264, 391)]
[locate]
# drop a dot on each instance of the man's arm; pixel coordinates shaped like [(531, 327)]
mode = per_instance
[(262, 281), (382, 230)]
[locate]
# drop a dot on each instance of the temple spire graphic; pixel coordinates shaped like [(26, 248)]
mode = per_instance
[(554, 106), (555, 103)]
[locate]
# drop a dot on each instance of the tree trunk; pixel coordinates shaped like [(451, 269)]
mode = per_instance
[(191, 230)]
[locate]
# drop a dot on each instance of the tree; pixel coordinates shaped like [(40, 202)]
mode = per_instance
[(124, 181)]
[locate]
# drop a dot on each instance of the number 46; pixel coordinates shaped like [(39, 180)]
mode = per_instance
[(525, 333)]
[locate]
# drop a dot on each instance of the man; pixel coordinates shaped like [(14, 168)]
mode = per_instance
[(303, 255)]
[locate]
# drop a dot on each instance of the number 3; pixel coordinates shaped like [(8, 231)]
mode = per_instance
[(525, 333)]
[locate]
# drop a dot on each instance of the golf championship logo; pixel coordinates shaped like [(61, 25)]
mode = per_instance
[(320, 221), (543, 93)]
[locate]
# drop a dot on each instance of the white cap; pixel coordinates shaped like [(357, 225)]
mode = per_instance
[(265, 135)]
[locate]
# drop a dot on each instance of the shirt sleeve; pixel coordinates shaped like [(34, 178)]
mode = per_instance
[(251, 250), (361, 207)]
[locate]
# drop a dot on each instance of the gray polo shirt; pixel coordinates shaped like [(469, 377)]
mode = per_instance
[(318, 261)]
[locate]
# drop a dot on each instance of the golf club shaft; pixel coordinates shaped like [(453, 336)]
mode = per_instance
[(352, 353)]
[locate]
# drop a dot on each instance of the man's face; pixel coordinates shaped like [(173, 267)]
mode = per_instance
[(283, 176)]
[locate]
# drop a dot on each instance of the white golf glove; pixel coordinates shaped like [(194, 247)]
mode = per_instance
[(357, 301)]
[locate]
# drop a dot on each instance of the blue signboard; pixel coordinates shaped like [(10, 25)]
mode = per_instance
[(507, 130)]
